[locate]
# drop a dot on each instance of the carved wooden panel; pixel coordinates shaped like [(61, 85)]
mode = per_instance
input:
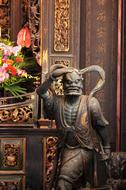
[(12, 182), (12, 155)]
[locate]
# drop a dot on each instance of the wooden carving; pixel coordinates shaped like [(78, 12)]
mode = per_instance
[(22, 110), (12, 151), (4, 18), (51, 147), (34, 25), (12, 182), (62, 25), (19, 114)]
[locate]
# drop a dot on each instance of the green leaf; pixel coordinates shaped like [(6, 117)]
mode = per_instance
[(15, 90)]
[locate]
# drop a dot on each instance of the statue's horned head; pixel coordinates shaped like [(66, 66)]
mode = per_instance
[(72, 78), (72, 82)]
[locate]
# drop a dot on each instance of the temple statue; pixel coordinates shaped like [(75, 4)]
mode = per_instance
[(83, 128)]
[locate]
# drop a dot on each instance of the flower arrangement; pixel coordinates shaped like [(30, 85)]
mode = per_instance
[(12, 72)]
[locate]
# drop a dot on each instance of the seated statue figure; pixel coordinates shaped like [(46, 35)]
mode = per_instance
[(83, 128)]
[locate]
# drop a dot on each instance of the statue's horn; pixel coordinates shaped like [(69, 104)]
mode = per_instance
[(100, 83)]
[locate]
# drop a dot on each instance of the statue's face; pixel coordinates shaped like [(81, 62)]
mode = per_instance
[(72, 83)]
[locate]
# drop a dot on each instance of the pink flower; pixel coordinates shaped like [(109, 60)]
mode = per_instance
[(15, 50), (5, 65), (22, 73), (3, 75)]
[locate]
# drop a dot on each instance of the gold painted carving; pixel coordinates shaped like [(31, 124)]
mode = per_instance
[(18, 109), (101, 2), (11, 155), (20, 114), (101, 16), (62, 25), (51, 147)]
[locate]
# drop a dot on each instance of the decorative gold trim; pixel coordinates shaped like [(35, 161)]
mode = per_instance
[(62, 25)]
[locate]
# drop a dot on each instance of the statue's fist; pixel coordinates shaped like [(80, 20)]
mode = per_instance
[(58, 70)]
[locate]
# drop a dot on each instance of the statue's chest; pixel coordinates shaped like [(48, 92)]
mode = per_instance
[(70, 114)]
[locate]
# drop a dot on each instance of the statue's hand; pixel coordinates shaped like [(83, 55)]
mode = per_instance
[(107, 153), (104, 157), (58, 70)]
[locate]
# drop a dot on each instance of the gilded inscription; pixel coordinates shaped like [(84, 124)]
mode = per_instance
[(101, 16), (101, 2), (100, 32), (101, 47)]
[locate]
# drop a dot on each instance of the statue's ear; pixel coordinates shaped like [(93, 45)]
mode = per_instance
[(101, 81)]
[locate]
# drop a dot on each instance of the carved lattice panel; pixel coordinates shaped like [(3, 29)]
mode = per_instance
[(12, 155)]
